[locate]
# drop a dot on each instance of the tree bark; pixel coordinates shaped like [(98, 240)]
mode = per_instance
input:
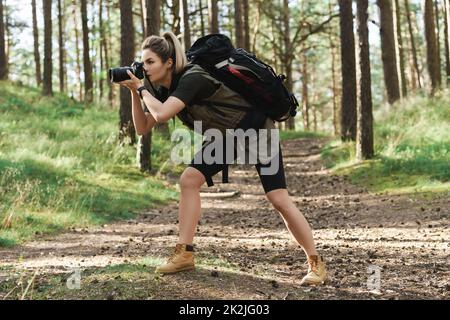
[(416, 70), (290, 123), (391, 78), (430, 35), (333, 78), (37, 56), (142, 16), (102, 46), (438, 43), (61, 47), (176, 28), (47, 87), (153, 17), (77, 50), (88, 84), (364, 140), (186, 26), (8, 36), (348, 69), (238, 25), (107, 50), (256, 27), (202, 18), (401, 55), (305, 93), (213, 16), (3, 61), (126, 58), (246, 13), (447, 38), (152, 27)]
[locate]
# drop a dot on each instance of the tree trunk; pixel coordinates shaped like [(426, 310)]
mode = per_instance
[(126, 58), (77, 50), (430, 35), (153, 17), (213, 16), (152, 27), (315, 101), (238, 24), (305, 94), (8, 36), (416, 70), (290, 123), (348, 70), (364, 140), (447, 39), (186, 26), (61, 47), (202, 18), (102, 45), (88, 85), (107, 50), (401, 51), (37, 56), (142, 16), (438, 43), (176, 28), (153, 9), (3, 61), (245, 8), (256, 28), (333, 79), (391, 78), (47, 88)]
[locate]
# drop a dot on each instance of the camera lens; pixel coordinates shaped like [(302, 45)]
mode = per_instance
[(119, 74)]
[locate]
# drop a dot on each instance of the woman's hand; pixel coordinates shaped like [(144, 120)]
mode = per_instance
[(133, 84)]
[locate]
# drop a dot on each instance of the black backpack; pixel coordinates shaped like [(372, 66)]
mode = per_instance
[(245, 74)]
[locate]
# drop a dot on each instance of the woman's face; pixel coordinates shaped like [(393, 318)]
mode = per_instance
[(154, 68)]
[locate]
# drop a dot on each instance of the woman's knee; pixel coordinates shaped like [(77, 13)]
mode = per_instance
[(280, 199), (191, 179)]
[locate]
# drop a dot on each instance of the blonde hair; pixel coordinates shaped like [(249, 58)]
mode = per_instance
[(167, 46)]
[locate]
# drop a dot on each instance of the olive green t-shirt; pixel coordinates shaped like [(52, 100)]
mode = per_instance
[(194, 87)]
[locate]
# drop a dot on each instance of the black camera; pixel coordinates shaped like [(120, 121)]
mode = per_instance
[(120, 74)]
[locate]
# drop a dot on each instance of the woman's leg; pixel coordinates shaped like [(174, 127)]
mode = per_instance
[(189, 208), (189, 213), (294, 220)]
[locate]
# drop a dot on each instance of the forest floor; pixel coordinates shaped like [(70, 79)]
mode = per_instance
[(243, 249)]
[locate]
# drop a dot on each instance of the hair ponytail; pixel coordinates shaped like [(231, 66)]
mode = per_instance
[(167, 46), (177, 51)]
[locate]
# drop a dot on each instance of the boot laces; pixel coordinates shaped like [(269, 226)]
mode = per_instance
[(176, 252), (313, 265)]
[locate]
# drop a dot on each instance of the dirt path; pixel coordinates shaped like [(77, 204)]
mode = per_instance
[(245, 252)]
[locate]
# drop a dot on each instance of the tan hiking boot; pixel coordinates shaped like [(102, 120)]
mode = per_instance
[(317, 273), (182, 259)]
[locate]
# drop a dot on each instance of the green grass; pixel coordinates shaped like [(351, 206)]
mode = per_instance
[(123, 281), (412, 145), (61, 166), (291, 135)]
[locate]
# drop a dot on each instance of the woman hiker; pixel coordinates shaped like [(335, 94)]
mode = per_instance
[(165, 66)]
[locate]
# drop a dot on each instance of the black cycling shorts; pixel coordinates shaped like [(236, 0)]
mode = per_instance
[(269, 182)]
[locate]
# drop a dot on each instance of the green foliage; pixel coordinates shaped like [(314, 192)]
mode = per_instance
[(61, 166), (412, 143)]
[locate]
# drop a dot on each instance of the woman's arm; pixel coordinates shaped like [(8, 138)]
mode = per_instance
[(161, 112), (143, 121)]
